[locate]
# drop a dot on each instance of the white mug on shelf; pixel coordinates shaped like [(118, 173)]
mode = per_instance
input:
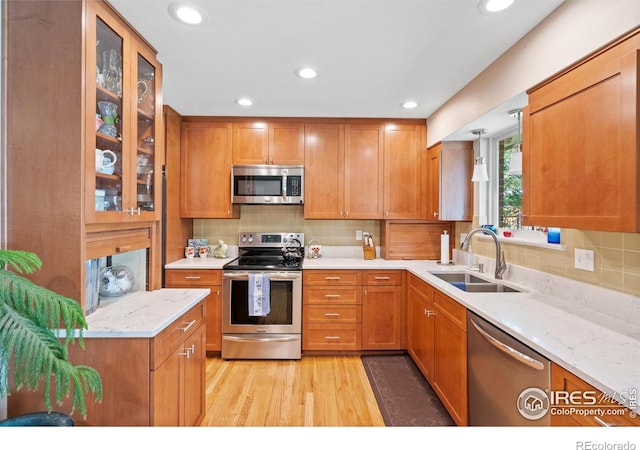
[(105, 161)]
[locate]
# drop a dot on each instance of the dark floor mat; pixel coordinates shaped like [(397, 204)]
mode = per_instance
[(404, 397)]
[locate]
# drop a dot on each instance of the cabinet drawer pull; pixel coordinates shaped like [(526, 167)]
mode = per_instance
[(382, 278), (193, 277), (602, 422), (332, 338), (332, 295), (332, 314), (331, 278), (184, 330)]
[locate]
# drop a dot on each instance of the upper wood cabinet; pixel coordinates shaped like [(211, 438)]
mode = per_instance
[(580, 137), (450, 190), (205, 170), (404, 146), (268, 143), (324, 173), (343, 171), (123, 122), (363, 171), (52, 92)]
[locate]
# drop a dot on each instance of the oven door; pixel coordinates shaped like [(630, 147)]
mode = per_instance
[(285, 314)]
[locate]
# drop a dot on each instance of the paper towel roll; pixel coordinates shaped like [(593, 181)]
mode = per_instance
[(444, 248)]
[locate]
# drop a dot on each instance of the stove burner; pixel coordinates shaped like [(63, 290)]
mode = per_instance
[(268, 251)]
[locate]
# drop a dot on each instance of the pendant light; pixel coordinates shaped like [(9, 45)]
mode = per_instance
[(479, 168), (515, 165)]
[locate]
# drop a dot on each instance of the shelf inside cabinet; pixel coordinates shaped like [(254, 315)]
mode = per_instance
[(106, 137), (105, 94)]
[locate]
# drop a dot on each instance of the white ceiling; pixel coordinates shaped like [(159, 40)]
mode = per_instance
[(371, 55)]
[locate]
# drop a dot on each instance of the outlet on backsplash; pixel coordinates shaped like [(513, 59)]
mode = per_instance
[(584, 259)]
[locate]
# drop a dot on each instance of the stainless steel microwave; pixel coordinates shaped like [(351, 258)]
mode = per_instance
[(267, 185)]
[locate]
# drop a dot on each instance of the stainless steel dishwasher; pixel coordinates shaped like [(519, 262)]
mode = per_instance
[(508, 381)]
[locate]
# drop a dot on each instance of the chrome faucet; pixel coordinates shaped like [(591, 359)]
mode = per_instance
[(501, 264)]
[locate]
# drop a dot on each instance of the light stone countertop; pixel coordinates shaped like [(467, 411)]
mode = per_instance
[(591, 331), (141, 314)]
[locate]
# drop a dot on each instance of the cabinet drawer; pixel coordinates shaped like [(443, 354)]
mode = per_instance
[(331, 277), (192, 277), (166, 341), (563, 380), (332, 313), (451, 309), (331, 336), (322, 295), (382, 277)]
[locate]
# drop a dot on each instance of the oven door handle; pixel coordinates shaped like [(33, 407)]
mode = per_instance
[(272, 277), (262, 339)]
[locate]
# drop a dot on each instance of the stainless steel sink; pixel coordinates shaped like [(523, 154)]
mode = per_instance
[(487, 287), (470, 283), (459, 277)]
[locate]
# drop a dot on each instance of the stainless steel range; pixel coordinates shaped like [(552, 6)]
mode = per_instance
[(262, 297)]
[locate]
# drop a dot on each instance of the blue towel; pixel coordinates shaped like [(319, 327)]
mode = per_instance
[(259, 300)]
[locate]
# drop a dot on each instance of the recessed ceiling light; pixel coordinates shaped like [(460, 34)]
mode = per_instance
[(410, 104), (306, 72), (491, 6), (244, 101), (188, 13)]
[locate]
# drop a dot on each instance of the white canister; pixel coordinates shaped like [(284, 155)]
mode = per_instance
[(100, 194)]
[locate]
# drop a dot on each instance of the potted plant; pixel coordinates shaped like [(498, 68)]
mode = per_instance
[(30, 316)]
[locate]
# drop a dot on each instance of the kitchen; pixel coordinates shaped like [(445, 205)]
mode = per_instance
[(340, 233)]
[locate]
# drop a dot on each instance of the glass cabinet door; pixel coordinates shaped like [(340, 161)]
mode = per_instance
[(146, 138), (110, 115)]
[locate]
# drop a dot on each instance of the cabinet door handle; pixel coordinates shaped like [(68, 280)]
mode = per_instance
[(429, 313), (189, 325), (365, 292), (334, 314), (124, 248), (602, 422)]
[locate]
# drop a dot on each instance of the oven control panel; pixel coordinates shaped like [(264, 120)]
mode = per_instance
[(260, 239)]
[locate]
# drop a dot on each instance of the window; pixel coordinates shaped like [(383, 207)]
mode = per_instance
[(509, 184)]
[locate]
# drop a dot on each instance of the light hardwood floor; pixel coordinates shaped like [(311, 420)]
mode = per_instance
[(314, 391)]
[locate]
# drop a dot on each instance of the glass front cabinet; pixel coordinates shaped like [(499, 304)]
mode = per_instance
[(124, 149)]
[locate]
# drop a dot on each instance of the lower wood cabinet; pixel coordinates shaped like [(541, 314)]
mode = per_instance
[(437, 342), (203, 278), (382, 310), (609, 413), (352, 310), (180, 380), (420, 324), (331, 310), (157, 381)]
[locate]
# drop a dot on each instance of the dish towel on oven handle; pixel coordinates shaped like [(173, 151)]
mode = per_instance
[(259, 289)]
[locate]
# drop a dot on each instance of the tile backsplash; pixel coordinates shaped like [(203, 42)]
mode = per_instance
[(617, 257), (284, 218)]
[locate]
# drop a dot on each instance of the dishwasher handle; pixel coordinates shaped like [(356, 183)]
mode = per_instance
[(515, 354)]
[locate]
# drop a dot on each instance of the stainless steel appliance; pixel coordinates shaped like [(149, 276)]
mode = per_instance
[(274, 261), (508, 381), (267, 184)]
